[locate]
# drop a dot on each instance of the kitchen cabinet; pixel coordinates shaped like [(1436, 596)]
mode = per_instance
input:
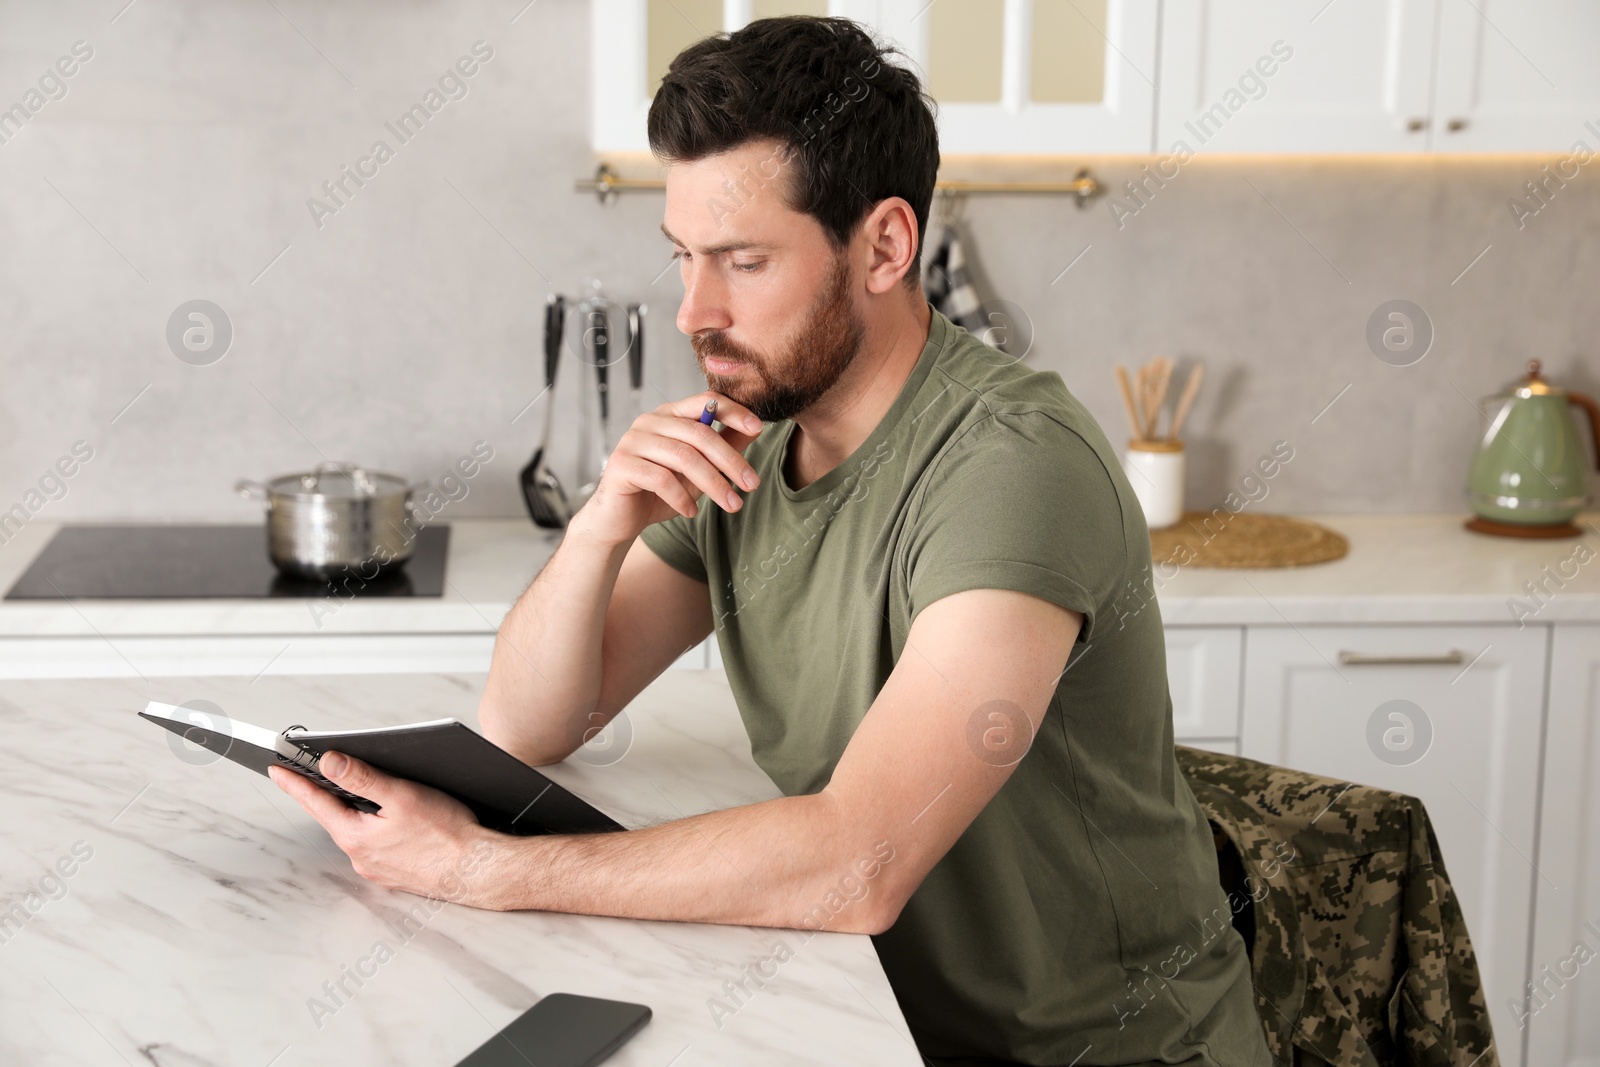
[(1562, 1011), (1203, 676), (1264, 76), (1033, 77), (1379, 76), (1449, 714), (1068, 77), (1517, 76)]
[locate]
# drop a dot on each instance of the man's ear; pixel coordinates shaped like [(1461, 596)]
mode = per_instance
[(890, 235)]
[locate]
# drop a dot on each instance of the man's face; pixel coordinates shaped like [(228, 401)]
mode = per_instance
[(768, 305)]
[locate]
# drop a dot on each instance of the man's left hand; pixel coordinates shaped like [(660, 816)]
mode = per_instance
[(422, 842)]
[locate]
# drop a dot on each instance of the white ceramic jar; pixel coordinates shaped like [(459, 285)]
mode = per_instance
[(1155, 470)]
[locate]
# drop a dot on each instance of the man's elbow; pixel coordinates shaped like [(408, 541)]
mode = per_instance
[(883, 911), (873, 914), (884, 916), (497, 727)]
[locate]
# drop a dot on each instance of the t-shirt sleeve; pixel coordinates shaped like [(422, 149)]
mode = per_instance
[(675, 543), (1020, 502)]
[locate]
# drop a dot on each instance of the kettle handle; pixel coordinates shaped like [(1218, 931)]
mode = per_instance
[(1591, 409)]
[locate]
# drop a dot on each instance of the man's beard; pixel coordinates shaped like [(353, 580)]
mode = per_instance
[(814, 362)]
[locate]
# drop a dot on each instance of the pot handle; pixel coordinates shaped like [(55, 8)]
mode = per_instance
[(246, 487), (1591, 409)]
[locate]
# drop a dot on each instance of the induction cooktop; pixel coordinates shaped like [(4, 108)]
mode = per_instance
[(153, 562)]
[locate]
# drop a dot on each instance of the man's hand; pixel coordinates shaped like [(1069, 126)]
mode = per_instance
[(423, 841), (666, 460), (605, 614)]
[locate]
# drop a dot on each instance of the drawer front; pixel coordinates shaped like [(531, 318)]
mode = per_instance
[(1204, 664)]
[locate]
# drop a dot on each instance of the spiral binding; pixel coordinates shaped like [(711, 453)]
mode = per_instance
[(307, 762)]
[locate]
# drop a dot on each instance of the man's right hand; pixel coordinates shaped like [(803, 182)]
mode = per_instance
[(665, 461)]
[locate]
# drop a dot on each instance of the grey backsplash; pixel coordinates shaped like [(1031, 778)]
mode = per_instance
[(406, 327)]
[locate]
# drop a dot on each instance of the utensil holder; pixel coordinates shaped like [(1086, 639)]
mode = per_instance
[(1155, 470)]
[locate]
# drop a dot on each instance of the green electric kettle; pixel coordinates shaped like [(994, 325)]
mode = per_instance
[(1530, 476)]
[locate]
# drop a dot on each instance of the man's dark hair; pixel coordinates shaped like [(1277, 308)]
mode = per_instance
[(857, 128)]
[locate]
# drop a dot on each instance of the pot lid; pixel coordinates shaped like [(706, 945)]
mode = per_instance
[(339, 480), (1532, 384)]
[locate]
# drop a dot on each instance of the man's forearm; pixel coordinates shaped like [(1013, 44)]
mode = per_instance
[(794, 862), (544, 678)]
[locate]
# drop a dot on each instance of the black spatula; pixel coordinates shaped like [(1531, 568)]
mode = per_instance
[(541, 490)]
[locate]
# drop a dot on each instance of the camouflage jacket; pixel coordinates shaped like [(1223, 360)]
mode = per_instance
[(1359, 952)]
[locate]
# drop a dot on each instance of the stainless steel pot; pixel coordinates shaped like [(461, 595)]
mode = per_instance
[(337, 520)]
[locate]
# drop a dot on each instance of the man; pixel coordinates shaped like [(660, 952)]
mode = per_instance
[(928, 579)]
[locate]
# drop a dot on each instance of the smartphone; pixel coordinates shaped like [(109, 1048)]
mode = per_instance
[(562, 1030)]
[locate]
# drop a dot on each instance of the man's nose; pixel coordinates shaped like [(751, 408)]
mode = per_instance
[(704, 306)]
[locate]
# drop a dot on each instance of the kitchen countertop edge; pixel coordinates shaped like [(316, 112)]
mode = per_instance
[(1401, 569)]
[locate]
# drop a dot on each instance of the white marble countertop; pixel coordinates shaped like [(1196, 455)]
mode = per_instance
[(203, 910), (1400, 569)]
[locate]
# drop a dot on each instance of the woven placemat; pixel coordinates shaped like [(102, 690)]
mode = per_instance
[(1223, 539)]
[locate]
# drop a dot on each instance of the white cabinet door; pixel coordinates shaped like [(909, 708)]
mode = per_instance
[(1563, 1008), (1269, 76), (1451, 715), (1518, 76), (1203, 665)]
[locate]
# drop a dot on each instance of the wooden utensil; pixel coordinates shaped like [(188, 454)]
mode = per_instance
[(1163, 376), (1186, 401), (1127, 402), (1141, 379)]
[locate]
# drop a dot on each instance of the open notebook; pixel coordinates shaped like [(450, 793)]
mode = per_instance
[(503, 792)]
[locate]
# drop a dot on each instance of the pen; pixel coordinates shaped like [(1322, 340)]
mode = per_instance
[(709, 414)]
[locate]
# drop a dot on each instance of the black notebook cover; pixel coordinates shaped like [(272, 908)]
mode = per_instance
[(504, 793)]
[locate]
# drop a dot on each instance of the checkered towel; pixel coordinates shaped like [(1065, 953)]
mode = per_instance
[(945, 281)]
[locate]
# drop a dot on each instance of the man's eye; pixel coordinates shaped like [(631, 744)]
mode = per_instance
[(748, 268)]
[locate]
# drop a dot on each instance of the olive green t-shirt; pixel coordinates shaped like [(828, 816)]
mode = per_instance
[(1080, 918)]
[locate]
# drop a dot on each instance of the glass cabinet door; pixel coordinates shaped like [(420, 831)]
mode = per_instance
[(1015, 77), (1033, 77)]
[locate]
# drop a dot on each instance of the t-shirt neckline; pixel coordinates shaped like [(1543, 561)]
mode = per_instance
[(938, 335)]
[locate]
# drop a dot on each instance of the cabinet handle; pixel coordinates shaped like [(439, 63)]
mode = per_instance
[(1416, 125), (1456, 125), (1360, 659)]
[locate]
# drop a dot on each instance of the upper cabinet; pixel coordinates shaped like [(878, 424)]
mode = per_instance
[(1517, 76), (1378, 75), (1076, 77), (1035, 77), (1261, 76), (1030, 77)]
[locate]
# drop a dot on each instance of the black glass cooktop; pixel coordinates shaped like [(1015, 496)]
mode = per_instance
[(203, 562)]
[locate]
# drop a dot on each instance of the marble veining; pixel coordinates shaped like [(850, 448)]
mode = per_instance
[(206, 920)]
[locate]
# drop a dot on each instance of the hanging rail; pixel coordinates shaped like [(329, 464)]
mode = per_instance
[(607, 184)]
